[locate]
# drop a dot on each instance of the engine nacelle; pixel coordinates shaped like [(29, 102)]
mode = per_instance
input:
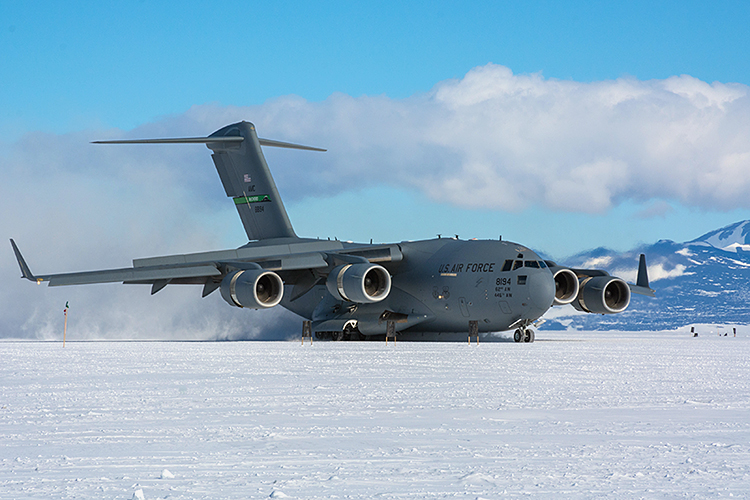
[(603, 295), (360, 283), (253, 288), (566, 286)]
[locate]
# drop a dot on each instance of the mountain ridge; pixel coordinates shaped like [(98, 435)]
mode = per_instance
[(704, 280)]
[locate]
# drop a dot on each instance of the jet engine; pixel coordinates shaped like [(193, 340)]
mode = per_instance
[(566, 286), (360, 283), (603, 295), (254, 289)]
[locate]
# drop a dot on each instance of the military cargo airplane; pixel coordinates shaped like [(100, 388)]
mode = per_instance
[(437, 289)]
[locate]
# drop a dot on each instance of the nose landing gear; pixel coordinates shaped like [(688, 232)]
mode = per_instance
[(523, 334)]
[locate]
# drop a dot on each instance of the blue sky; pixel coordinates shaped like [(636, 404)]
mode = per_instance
[(560, 125), (75, 65)]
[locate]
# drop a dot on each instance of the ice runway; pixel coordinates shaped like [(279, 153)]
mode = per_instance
[(655, 415)]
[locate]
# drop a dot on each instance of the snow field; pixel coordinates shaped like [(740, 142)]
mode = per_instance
[(574, 415)]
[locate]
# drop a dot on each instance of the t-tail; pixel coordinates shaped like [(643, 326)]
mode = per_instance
[(245, 176)]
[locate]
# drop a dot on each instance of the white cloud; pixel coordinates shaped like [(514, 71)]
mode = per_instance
[(597, 262), (503, 141)]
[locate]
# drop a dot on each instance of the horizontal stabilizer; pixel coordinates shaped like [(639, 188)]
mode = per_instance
[(287, 145), (183, 140), (213, 140)]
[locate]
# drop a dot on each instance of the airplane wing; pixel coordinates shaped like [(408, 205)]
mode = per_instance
[(209, 268), (158, 275), (595, 290), (641, 286)]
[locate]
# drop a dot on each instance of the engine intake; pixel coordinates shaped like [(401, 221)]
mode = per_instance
[(566, 286), (254, 289), (360, 283), (603, 295)]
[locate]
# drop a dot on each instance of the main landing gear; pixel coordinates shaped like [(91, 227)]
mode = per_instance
[(523, 335), (350, 332)]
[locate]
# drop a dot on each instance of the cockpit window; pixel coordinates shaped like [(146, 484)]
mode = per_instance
[(512, 265)]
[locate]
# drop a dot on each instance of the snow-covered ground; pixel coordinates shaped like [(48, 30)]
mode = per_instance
[(574, 415)]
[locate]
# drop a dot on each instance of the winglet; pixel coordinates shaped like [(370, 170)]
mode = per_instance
[(642, 273), (641, 286), (25, 271)]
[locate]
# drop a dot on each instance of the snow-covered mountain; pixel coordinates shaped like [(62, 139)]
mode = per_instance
[(732, 238), (705, 280)]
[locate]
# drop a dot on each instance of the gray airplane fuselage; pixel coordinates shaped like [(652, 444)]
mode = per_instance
[(441, 285)]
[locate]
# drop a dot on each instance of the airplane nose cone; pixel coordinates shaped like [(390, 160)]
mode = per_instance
[(541, 290)]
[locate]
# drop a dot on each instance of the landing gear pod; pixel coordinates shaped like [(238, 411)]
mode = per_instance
[(566, 286), (603, 295), (254, 289), (360, 283)]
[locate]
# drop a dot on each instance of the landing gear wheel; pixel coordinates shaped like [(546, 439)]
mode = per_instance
[(528, 335), (518, 335), (336, 336), (319, 335)]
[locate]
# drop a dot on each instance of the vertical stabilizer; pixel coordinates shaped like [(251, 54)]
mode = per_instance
[(244, 173)]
